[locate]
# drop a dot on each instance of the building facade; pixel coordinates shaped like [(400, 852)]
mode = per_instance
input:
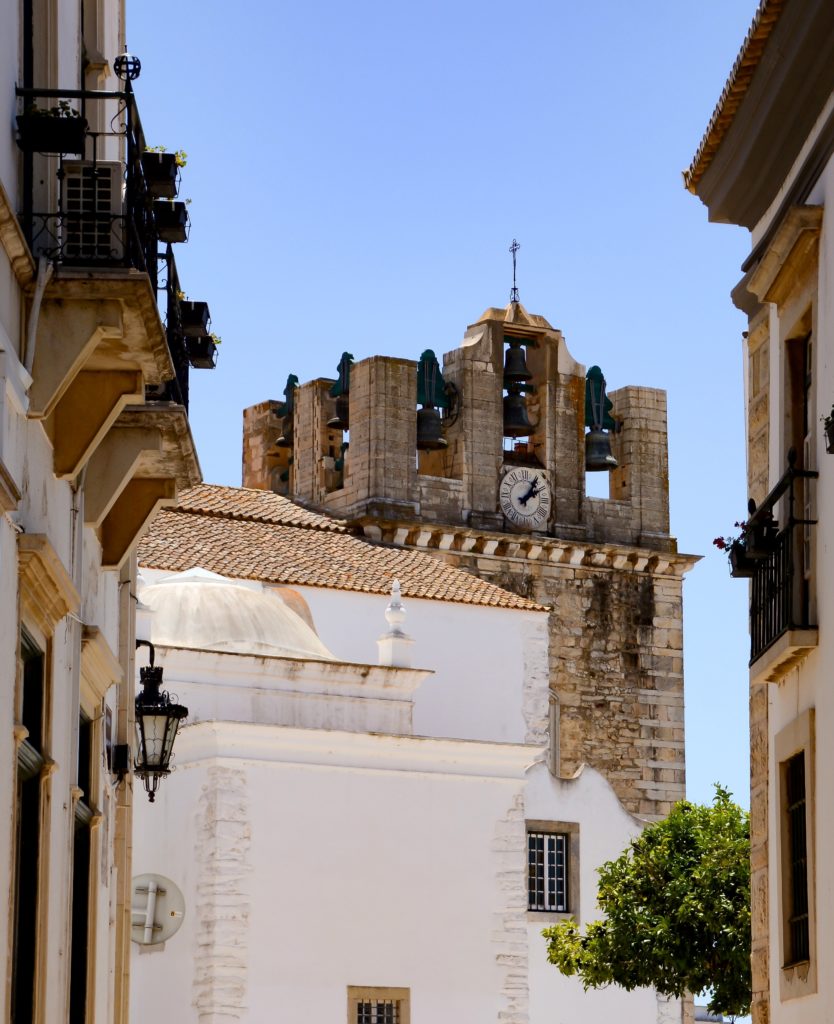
[(515, 409), (94, 438), (765, 163), (363, 824)]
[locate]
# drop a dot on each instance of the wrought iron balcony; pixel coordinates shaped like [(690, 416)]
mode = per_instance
[(780, 594), (88, 201)]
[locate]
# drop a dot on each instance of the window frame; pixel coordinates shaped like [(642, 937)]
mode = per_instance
[(357, 994), (796, 978), (570, 830)]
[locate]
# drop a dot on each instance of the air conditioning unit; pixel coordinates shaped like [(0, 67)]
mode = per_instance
[(93, 221)]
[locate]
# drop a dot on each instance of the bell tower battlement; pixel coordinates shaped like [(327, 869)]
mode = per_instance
[(482, 462), (391, 470)]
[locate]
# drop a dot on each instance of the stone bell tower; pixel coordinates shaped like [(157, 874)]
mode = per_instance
[(489, 474)]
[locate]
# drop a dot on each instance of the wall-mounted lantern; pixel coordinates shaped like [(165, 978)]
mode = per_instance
[(157, 721), (828, 426)]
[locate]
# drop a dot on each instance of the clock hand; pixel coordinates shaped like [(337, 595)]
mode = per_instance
[(534, 490)]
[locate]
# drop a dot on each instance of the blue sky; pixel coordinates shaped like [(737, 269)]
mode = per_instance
[(358, 171)]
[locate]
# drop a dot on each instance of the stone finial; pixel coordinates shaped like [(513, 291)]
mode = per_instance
[(395, 646)]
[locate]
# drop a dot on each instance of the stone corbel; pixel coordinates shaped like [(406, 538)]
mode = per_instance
[(791, 256), (85, 413), (47, 592), (100, 668), (68, 334), (130, 515), (113, 465)]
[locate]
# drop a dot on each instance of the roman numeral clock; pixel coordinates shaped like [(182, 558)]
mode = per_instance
[(525, 499)]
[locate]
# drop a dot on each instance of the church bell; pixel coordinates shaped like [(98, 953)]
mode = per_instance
[(341, 420), (430, 431), (515, 364), (600, 422), (516, 421), (598, 451)]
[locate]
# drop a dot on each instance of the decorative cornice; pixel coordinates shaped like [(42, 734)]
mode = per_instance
[(100, 667), (9, 491), (789, 257), (47, 592), (14, 243), (540, 549)]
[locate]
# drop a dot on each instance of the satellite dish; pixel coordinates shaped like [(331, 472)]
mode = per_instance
[(156, 911)]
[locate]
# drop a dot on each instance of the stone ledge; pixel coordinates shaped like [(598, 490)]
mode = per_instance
[(792, 647)]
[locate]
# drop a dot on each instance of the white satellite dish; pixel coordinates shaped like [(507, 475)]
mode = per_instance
[(156, 911)]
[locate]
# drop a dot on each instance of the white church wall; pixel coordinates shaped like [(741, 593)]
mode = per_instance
[(477, 653)]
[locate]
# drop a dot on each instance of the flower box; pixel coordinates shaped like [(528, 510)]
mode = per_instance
[(171, 219), (195, 318), (43, 132), (202, 353), (741, 565), (161, 173)]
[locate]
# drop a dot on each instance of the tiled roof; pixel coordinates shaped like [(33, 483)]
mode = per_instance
[(254, 506), (259, 535), (735, 89)]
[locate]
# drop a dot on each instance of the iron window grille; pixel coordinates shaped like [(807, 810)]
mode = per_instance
[(378, 1011), (547, 871), (798, 930)]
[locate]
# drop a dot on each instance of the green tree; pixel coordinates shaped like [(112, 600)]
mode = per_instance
[(677, 906)]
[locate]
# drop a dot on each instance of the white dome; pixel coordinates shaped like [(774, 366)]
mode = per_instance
[(200, 610)]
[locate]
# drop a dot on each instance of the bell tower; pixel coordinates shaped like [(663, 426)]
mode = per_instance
[(482, 460)]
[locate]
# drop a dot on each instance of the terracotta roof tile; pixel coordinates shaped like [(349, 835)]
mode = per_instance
[(254, 506), (735, 89), (282, 543)]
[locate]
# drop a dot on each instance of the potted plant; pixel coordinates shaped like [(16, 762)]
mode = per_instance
[(194, 317), (161, 171), (59, 129), (171, 219), (202, 352), (741, 564)]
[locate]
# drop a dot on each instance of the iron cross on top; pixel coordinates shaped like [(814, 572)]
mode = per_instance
[(514, 293)]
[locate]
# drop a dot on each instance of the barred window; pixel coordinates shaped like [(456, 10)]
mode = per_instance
[(378, 1005), (547, 871)]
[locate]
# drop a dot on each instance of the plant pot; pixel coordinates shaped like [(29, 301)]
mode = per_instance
[(202, 353), (43, 133), (171, 219), (161, 173), (761, 541), (195, 318), (741, 565)]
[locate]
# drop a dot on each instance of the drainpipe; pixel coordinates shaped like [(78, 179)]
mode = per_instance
[(45, 271)]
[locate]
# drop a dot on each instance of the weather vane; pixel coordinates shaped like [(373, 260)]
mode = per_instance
[(514, 293)]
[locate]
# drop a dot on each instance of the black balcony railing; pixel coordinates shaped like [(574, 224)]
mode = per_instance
[(780, 594), (93, 208)]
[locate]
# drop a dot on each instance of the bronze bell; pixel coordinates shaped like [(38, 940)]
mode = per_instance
[(430, 430), (598, 451), (515, 364), (341, 420), (516, 421), (286, 438)]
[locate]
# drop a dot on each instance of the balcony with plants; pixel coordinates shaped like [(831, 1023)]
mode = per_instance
[(774, 551), (112, 335), (96, 197)]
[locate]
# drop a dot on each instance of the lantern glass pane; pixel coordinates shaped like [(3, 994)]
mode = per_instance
[(151, 730)]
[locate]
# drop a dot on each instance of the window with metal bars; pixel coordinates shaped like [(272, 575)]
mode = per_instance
[(798, 948), (547, 871), (377, 1005), (378, 1011)]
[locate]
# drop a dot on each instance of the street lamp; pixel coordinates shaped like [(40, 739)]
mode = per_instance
[(157, 721)]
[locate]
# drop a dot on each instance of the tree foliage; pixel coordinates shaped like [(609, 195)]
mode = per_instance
[(677, 906)]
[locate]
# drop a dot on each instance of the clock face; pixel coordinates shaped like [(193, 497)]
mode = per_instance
[(525, 498)]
